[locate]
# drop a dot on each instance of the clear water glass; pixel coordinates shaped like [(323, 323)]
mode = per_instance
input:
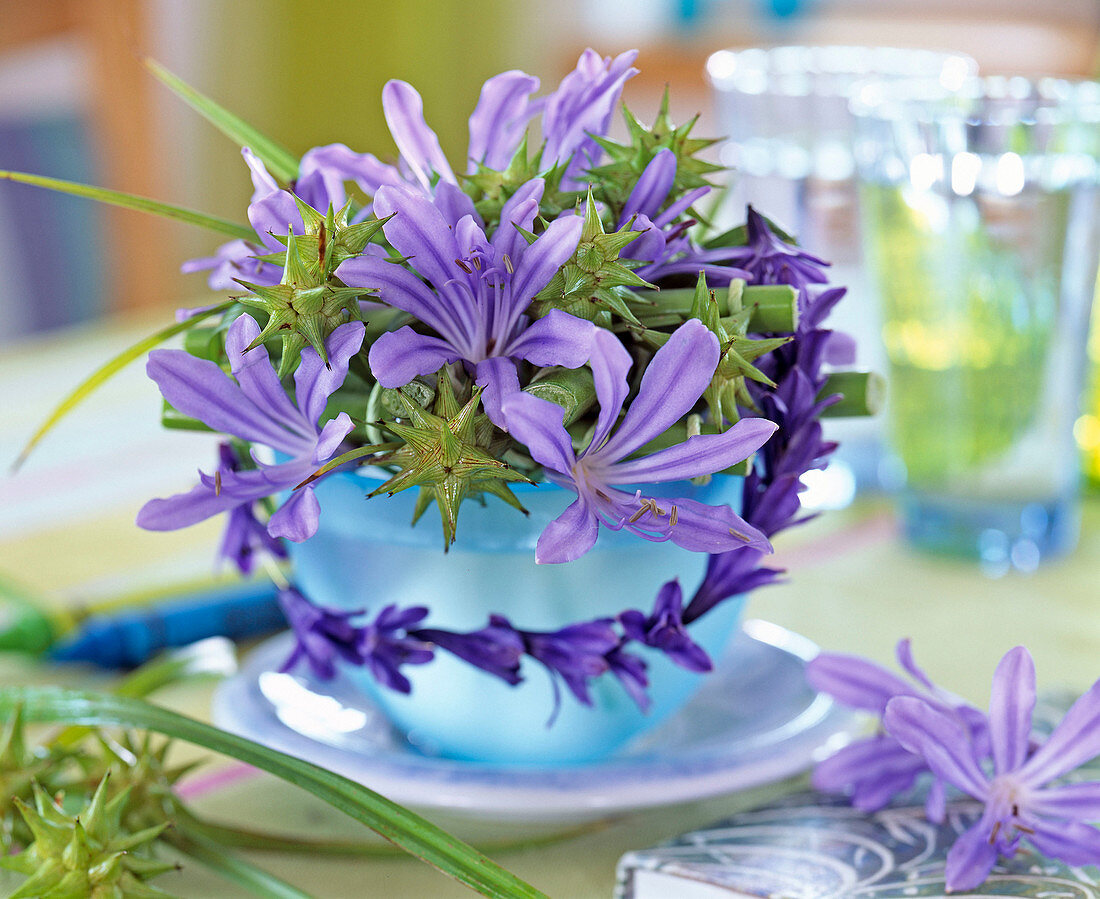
[(980, 210), (790, 137)]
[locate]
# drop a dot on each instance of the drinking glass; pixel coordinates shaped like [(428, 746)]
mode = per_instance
[(790, 136), (980, 210)]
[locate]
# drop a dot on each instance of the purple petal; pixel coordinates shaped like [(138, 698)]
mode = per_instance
[(702, 454), (939, 739), (454, 203), (1073, 742), (399, 356), (314, 381), (935, 803), (419, 231), (401, 289), (330, 438), (257, 378), (861, 759), (569, 536), (557, 338), (339, 163), (855, 682), (186, 509), (610, 364), (702, 528), (1080, 801), (1010, 707), (538, 424), (970, 859), (652, 187), (541, 261), (1074, 843), (499, 378), (904, 653), (297, 518), (200, 389), (262, 182), (500, 118), (518, 211), (673, 382), (417, 143)]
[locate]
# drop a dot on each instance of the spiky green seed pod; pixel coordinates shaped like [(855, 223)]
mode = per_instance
[(448, 455), (328, 239), (490, 188), (727, 391), (303, 309), (89, 854), (620, 174), (595, 279)]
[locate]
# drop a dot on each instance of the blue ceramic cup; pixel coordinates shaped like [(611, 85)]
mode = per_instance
[(366, 555)]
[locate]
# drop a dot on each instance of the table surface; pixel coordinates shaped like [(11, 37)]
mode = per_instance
[(66, 530)]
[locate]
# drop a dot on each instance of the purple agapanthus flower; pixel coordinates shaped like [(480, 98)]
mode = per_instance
[(321, 635), (770, 260), (664, 629), (664, 243), (1019, 804), (879, 768), (575, 654), (385, 645), (245, 535), (476, 293), (496, 648), (253, 406), (672, 384)]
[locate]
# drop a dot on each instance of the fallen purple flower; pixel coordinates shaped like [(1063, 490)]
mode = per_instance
[(875, 770), (1019, 803)]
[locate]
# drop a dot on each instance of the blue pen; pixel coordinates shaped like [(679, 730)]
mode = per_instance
[(127, 639)]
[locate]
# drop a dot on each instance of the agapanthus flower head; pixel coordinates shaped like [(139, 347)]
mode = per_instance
[(875, 770), (253, 406), (1020, 802), (672, 384)]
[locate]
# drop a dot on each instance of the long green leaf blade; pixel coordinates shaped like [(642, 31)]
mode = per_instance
[(280, 161), (133, 201), (398, 825), (105, 371)]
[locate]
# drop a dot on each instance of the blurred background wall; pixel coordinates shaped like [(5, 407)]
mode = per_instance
[(75, 101)]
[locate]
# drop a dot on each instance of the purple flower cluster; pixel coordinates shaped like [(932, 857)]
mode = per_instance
[(457, 267), (994, 759), (574, 655)]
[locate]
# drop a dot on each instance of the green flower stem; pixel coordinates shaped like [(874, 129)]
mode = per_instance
[(233, 869), (402, 827), (280, 162), (864, 392), (108, 369), (774, 306), (133, 201)]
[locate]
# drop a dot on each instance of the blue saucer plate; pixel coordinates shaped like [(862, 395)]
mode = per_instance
[(754, 722)]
